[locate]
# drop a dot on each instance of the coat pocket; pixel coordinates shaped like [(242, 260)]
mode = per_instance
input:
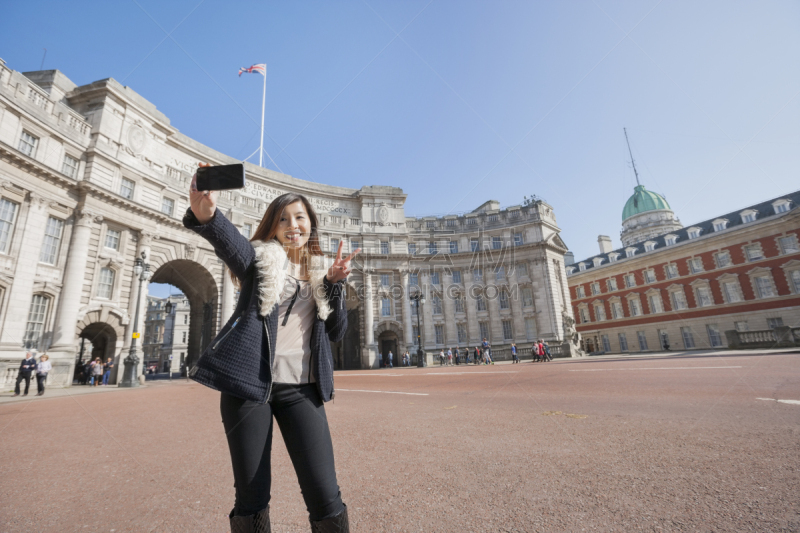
[(220, 340)]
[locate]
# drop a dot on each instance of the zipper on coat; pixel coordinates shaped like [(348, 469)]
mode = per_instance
[(269, 346), (226, 334)]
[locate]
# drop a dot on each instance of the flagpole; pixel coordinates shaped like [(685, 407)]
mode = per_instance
[(263, 101)]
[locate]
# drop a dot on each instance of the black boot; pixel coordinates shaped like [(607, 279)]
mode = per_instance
[(254, 523), (334, 524)]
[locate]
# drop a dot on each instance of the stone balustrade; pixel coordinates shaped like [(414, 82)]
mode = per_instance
[(779, 337)]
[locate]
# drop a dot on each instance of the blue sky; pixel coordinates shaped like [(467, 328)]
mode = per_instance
[(460, 102)]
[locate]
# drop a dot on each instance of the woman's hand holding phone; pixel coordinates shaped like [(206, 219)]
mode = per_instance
[(204, 203)]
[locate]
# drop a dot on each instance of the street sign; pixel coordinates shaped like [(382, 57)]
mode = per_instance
[(135, 335), (170, 357)]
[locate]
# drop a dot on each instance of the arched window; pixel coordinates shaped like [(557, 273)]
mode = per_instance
[(105, 283)]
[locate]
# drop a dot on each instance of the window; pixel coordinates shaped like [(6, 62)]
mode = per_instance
[(599, 312), (28, 143), (36, 317), (671, 239), (335, 244), (616, 309), (518, 239), (493, 218), (642, 340), (613, 257), (795, 278), (8, 215), (693, 233), (723, 259), (52, 241), (581, 266), (472, 221), (439, 330), (720, 224), (432, 247), (597, 261), (530, 328), (753, 252), (474, 245), (413, 279), (773, 323), (741, 325), (106, 283), (450, 222), (630, 252), (671, 270), (522, 269), (480, 302), (636, 306), (385, 247), (386, 307), (461, 331), (678, 299), (500, 272), (763, 286), (788, 244), (185, 321), (584, 314), (695, 265), (508, 331), (69, 166), (497, 243), (477, 274), (484, 327), (655, 303), (184, 338), (430, 223), (437, 304), (630, 280), (649, 246), (714, 338), (354, 245), (247, 231), (688, 338), (748, 216), (459, 301), (456, 276), (623, 342), (453, 247), (355, 221), (781, 206), (126, 189), (385, 280), (580, 291), (606, 343), (612, 284), (649, 276), (527, 296), (435, 278), (704, 298), (731, 292), (412, 248), (415, 333), (595, 288), (504, 304), (167, 206)]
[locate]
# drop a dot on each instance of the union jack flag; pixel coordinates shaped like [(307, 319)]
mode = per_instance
[(261, 67)]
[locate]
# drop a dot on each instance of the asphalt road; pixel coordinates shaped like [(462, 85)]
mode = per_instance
[(689, 443)]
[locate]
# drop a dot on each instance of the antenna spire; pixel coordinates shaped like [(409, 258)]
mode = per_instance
[(633, 163)]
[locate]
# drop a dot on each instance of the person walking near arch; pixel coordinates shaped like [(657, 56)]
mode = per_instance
[(477, 355), (97, 371), (42, 369), (390, 357), (273, 357), (26, 368), (107, 367), (514, 357)]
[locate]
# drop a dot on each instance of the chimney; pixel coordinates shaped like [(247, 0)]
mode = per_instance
[(604, 241)]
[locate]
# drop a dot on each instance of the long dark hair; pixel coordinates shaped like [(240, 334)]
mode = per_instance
[(268, 227)]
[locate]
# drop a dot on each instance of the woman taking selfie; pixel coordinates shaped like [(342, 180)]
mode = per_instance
[(273, 357)]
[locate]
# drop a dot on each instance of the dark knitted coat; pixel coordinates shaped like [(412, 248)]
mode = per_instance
[(239, 360)]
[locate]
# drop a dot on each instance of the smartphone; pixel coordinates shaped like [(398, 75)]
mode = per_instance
[(220, 178)]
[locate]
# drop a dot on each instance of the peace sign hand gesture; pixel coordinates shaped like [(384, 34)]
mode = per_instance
[(340, 267)]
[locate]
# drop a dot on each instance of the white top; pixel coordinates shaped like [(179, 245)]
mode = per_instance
[(44, 367), (292, 363)]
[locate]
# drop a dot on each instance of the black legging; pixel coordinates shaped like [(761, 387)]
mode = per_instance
[(301, 418)]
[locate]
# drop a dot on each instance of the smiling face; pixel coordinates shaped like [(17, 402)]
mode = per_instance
[(294, 227)]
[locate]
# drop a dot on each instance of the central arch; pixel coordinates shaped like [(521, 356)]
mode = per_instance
[(201, 289), (389, 334)]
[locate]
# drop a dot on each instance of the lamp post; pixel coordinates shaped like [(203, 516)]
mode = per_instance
[(419, 298), (129, 378), (170, 322)]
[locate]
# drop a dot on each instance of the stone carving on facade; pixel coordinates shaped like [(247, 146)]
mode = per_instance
[(188, 251), (137, 139), (86, 217), (383, 215)]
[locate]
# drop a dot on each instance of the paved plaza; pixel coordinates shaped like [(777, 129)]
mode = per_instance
[(694, 442)]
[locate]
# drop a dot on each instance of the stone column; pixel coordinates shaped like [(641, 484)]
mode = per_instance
[(369, 333), (31, 232), (72, 280), (450, 334), (473, 329), (516, 305), (408, 329), (428, 334), (228, 296), (145, 240)]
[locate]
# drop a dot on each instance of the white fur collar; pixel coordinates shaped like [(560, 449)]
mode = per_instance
[(271, 262)]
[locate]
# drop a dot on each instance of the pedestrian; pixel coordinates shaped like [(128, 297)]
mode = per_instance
[(291, 305), (391, 359), (408, 358), (97, 371), (546, 349), (489, 359), (514, 358), (449, 357), (26, 368), (42, 369), (441, 357), (535, 352), (477, 355), (107, 367), (456, 355)]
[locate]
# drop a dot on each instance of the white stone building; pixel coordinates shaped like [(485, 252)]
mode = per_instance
[(95, 176)]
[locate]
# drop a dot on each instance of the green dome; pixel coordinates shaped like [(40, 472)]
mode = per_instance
[(643, 200)]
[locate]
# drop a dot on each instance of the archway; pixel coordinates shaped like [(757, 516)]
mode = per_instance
[(101, 335), (200, 288), (389, 335), (347, 352)]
